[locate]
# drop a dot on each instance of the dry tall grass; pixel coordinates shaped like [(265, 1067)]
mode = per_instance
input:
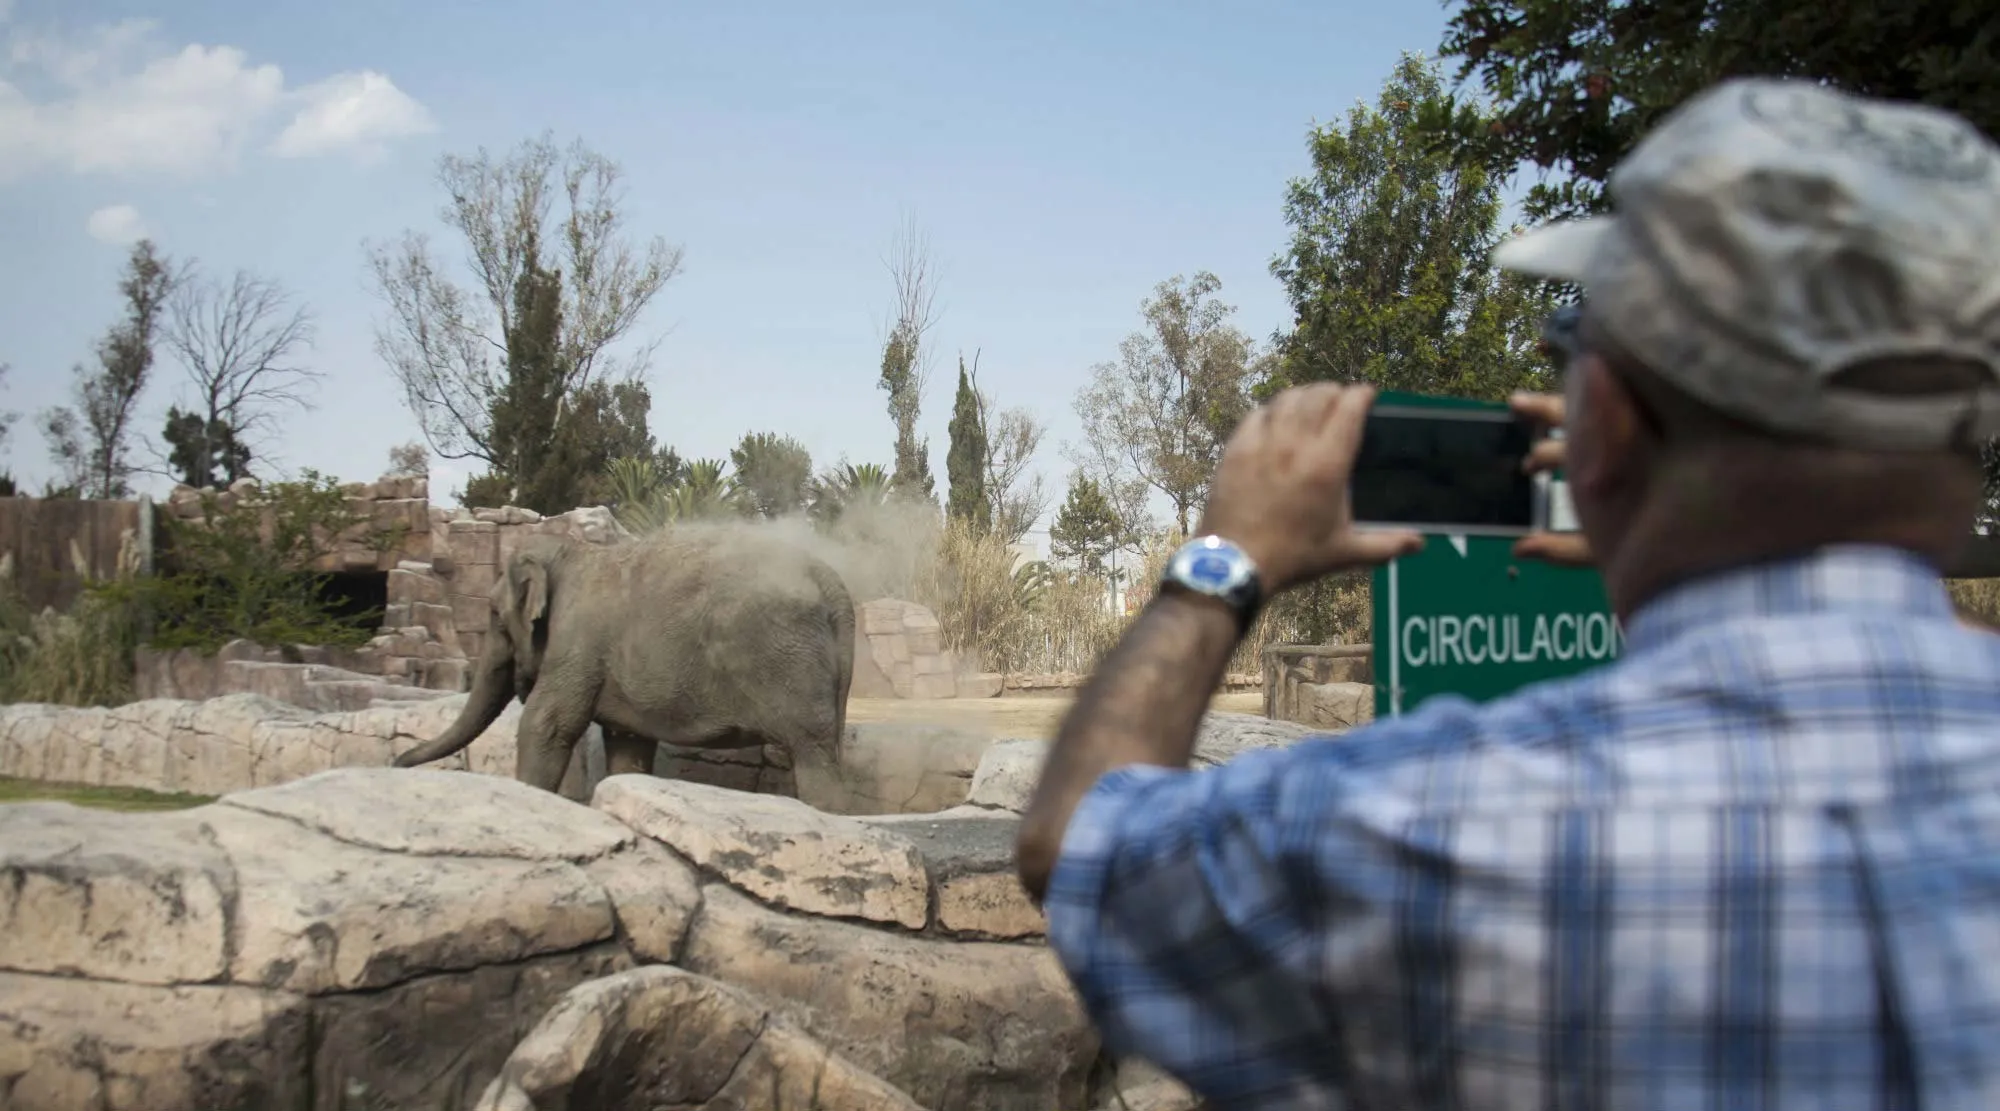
[(79, 658), (1043, 619)]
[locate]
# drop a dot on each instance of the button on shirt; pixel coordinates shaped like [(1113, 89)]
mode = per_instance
[(1755, 863)]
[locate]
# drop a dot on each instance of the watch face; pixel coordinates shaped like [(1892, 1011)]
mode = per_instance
[(1211, 568)]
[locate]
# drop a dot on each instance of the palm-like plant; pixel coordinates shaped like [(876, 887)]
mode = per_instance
[(705, 491), (641, 495), (848, 485)]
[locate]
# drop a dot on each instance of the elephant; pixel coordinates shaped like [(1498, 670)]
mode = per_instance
[(700, 636)]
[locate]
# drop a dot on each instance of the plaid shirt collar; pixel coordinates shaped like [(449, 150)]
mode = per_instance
[(1844, 578)]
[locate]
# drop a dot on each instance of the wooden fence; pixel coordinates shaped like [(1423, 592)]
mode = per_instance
[(48, 537)]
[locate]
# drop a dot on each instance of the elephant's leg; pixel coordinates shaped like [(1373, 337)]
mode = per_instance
[(549, 731), (627, 753)]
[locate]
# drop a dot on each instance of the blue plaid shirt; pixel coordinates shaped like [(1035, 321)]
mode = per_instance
[(1755, 863)]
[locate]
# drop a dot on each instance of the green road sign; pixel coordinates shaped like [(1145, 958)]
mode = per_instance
[(1464, 617)]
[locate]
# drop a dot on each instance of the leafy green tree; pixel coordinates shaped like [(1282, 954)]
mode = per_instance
[(1161, 414), (966, 461), (1087, 528), (521, 430), (1389, 272), (772, 473), (1574, 85), (91, 442), (204, 453)]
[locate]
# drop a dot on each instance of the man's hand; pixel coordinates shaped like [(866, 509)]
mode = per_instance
[(1567, 549), (1281, 493)]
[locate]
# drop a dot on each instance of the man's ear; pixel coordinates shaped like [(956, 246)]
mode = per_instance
[(1606, 430)]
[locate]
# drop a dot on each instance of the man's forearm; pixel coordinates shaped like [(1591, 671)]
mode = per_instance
[(1142, 706)]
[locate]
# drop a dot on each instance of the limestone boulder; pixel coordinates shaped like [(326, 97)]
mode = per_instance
[(980, 1026), (1335, 705), (233, 743), (969, 853), (361, 938), (138, 898), (1007, 774), (778, 849), (661, 1037), (68, 1043)]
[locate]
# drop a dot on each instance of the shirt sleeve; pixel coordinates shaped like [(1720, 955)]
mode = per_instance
[(1186, 926)]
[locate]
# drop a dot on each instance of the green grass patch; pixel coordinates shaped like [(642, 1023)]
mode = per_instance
[(102, 798)]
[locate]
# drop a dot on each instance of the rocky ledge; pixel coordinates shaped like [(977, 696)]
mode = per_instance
[(388, 938)]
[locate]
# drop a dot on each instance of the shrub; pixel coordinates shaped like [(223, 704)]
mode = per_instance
[(247, 571)]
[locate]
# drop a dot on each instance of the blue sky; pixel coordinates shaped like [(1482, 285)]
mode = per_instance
[(1062, 158)]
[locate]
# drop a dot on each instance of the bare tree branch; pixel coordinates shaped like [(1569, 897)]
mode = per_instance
[(447, 344), (238, 343), (1012, 437)]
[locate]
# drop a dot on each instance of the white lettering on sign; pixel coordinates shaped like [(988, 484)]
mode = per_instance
[(1446, 640)]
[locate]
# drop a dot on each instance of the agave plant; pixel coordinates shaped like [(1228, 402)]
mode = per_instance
[(640, 493), (1032, 581)]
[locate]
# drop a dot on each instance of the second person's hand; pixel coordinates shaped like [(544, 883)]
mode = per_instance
[(1566, 549)]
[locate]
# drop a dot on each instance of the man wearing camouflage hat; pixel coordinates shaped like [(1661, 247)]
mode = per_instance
[(1754, 862)]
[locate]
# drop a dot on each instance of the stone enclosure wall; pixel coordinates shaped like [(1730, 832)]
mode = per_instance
[(430, 939)]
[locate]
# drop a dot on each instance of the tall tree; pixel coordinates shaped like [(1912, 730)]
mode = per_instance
[(458, 350), (1018, 497), (1389, 271), (238, 343), (523, 418), (91, 442), (907, 357), (773, 473), (1162, 413), (965, 462), (1087, 528), (1574, 85)]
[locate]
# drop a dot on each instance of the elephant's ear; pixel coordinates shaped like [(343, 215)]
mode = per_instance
[(531, 590)]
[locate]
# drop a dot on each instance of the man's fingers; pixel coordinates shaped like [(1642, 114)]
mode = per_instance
[(1545, 409), (1370, 548), (1343, 426), (1565, 549), (1546, 455)]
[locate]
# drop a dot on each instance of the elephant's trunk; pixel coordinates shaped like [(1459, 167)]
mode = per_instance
[(492, 689)]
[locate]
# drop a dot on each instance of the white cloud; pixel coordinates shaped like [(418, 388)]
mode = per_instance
[(119, 99), (117, 224), (355, 112)]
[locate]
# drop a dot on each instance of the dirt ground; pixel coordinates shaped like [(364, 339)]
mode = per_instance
[(1023, 715)]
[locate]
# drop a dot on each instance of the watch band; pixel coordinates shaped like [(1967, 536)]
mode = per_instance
[(1213, 567)]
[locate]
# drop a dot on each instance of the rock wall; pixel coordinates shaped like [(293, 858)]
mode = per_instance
[(395, 520), (447, 598), (412, 939), (243, 741)]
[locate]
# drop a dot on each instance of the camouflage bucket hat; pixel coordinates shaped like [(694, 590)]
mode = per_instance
[(1771, 235)]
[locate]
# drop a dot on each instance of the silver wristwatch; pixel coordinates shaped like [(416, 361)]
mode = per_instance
[(1212, 566)]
